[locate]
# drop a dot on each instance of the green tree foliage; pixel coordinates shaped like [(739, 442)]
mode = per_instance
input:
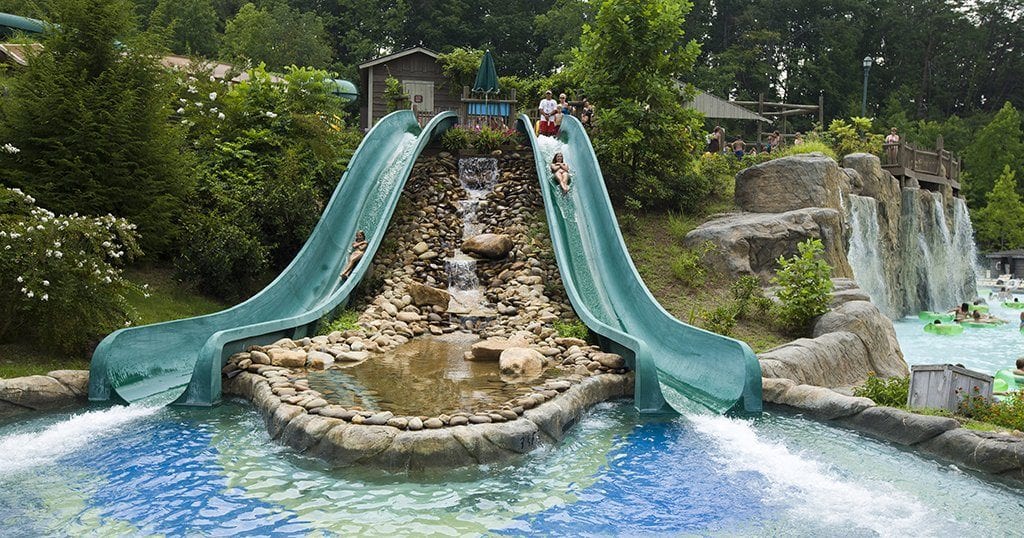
[(268, 158), (629, 62), (855, 136), (558, 32), (805, 282), (998, 224), (60, 275), (90, 118), (277, 36), (188, 26), (460, 66), (997, 145)]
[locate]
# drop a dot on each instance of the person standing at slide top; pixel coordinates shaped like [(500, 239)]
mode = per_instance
[(548, 111)]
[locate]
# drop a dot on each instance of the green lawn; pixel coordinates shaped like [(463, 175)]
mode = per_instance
[(654, 242), (168, 299)]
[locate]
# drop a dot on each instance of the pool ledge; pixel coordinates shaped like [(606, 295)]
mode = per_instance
[(306, 428)]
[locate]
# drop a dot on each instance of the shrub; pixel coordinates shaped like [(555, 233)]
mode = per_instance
[(720, 171), (721, 320), (804, 282), (455, 139), (1008, 413), (746, 293), (812, 144), (688, 265), (222, 258), (572, 329), (892, 392), (346, 320), (853, 137), (60, 275), (394, 94), (488, 139)]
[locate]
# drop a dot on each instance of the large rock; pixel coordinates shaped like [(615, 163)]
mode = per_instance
[(751, 243), (425, 295), (870, 179), (289, 358), (521, 362), (849, 342), (899, 426), (819, 402), (797, 182), (38, 392), (491, 349), (493, 246)]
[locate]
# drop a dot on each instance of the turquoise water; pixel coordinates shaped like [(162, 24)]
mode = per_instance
[(984, 350), (177, 471)]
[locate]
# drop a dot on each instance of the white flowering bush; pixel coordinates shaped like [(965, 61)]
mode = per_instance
[(60, 275)]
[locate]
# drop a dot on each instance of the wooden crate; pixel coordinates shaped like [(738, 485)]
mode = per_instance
[(943, 386)]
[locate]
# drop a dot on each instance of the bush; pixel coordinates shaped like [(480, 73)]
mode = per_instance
[(347, 320), (572, 329), (222, 258), (688, 265), (721, 320), (394, 94), (1008, 413), (60, 275), (488, 139), (891, 392), (804, 286), (812, 144), (747, 293), (853, 137), (455, 139)]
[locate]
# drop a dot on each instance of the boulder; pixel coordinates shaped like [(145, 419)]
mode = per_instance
[(797, 182), (318, 360), (751, 243), (899, 426), (820, 402), (871, 180), (77, 381), (491, 349), (289, 358), (35, 392), (493, 246), (426, 295), (521, 361)]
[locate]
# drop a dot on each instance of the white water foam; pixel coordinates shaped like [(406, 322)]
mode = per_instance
[(812, 490), (21, 451)]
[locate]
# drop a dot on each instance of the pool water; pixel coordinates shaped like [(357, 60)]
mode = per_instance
[(982, 349), (189, 471)]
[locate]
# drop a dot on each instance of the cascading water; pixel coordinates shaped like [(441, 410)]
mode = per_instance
[(478, 176), (865, 256)]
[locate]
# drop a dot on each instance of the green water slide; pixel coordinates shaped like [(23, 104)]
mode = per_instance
[(608, 294), (187, 355)]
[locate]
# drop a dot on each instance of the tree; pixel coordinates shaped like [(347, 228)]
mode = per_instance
[(90, 117), (189, 26), (629, 61), (277, 36), (998, 223), (997, 145), (558, 32)]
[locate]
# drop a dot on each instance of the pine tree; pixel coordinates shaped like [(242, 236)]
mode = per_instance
[(996, 146), (1000, 224), (89, 114), (189, 26)]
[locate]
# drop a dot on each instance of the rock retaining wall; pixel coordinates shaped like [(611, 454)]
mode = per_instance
[(55, 390)]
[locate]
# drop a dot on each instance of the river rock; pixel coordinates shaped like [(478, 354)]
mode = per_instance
[(609, 360), (318, 360), (408, 317), (490, 349), (427, 295), (789, 183), (289, 358), (751, 243), (521, 361), (352, 356), (493, 246)]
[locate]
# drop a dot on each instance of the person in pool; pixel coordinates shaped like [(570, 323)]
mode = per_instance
[(1022, 320), (560, 171), (358, 249), (962, 313), (1020, 365)]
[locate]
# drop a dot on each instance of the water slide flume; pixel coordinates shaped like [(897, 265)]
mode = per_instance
[(720, 373), (132, 364)]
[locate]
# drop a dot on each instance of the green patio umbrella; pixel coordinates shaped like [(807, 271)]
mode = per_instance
[(486, 79)]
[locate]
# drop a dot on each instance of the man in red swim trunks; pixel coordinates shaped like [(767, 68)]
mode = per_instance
[(548, 108)]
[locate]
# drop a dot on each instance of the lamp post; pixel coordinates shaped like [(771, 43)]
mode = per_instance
[(864, 99)]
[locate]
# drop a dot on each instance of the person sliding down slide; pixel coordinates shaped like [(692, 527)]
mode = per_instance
[(561, 172), (358, 249), (548, 110)]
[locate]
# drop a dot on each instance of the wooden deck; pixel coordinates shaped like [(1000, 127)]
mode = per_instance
[(932, 169)]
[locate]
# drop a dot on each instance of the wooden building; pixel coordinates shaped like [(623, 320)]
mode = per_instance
[(1007, 262), (418, 70)]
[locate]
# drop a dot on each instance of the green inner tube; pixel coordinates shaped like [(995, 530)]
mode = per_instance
[(929, 315), (1014, 306), (979, 324), (944, 329), (983, 308)]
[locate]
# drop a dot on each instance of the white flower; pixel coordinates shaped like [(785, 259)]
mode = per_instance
[(9, 148), (56, 244), (213, 96), (199, 104), (180, 111), (270, 114), (20, 279), (220, 115), (183, 101), (192, 89), (58, 254), (45, 297), (213, 78), (46, 282), (30, 295), (106, 280)]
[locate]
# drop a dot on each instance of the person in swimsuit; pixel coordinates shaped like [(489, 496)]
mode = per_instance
[(358, 249), (548, 111), (561, 172)]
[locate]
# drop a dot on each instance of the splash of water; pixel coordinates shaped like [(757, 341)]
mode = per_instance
[(22, 451), (812, 489), (478, 175), (865, 256)]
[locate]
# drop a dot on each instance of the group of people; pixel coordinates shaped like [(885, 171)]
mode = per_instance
[(552, 112), (964, 313), (717, 143)]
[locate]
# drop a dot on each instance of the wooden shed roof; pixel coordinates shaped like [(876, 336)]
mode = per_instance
[(717, 108), (389, 57)]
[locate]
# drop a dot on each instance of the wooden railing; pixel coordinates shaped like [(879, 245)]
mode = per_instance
[(933, 162)]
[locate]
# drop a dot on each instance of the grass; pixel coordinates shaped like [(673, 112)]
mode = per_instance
[(968, 423), (654, 260), (347, 320), (168, 300)]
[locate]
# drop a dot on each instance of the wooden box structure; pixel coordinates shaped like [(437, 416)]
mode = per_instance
[(943, 386)]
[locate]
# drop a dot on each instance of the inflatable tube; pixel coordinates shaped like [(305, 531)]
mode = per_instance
[(1013, 305), (983, 308), (1006, 381), (946, 329), (928, 315), (979, 324)]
